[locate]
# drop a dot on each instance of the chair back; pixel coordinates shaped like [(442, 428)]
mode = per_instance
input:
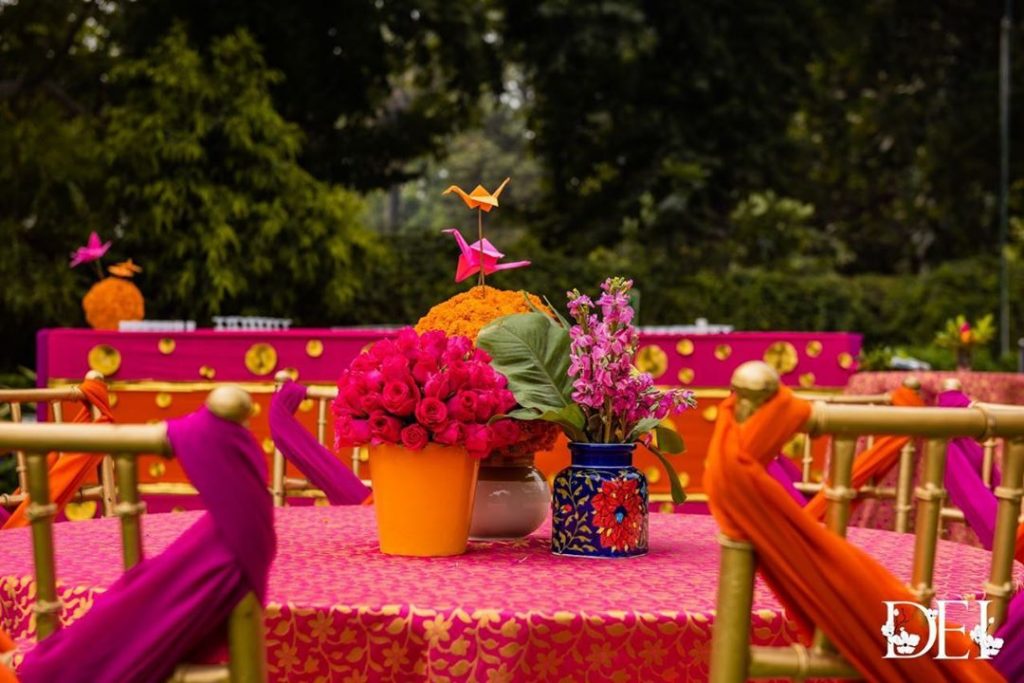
[(733, 659), (55, 397), (126, 443)]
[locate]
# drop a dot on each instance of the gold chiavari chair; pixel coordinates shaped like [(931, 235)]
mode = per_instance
[(734, 659), (281, 485), (902, 493), (247, 652), (55, 398)]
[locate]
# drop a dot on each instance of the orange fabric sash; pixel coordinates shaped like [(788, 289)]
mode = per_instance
[(1020, 543), (875, 461), (6, 645), (68, 471), (819, 577)]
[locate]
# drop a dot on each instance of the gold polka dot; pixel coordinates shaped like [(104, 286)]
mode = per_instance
[(306, 405), (723, 351), (163, 400), (684, 479), (782, 356), (79, 512), (157, 469), (261, 359), (710, 413), (321, 502), (813, 349), (653, 474), (268, 446), (364, 454), (844, 360), (206, 372), (652, 359), (256, 409), (686, 375), (177, 508), (685, 347), (293, 373), (314, 348), (105, 359), (166, 346), (666, 507), (807, 380), (112, 399)]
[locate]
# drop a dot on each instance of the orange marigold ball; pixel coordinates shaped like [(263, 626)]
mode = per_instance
[(469, 312), (112, 300)]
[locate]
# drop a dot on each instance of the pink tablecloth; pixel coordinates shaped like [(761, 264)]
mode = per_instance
[(341, 611)]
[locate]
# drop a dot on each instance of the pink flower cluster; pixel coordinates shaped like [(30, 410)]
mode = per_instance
[(601, 354), (415, 390)]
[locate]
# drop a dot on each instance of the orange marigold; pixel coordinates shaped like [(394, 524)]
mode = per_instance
[(112, 300), (469, 312)]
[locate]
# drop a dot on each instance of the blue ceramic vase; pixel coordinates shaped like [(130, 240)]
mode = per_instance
[(599, 503)]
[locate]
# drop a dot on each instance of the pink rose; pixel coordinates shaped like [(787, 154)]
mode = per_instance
[(351, 432), (364, 362), (462, 406), (399, 398), (450, 433), (407, 340), (505, 400), (423, 369), (486, 406), (384, 427), (437, 386), (458, 376), (481, 356), (395, 368), (504, 433), (478, 440), (457, 348), (370, 402), (483, 377), (383, 349), (415, 437), (431, 411), (433, 343)]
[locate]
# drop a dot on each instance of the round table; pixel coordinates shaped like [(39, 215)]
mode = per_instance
[(339, 610)]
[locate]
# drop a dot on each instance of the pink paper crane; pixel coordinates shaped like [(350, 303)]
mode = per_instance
[(479, 257), (92, 251)]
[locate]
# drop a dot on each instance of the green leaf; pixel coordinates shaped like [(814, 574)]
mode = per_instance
[(678, 494), (669, 440), (642, 427), (561, 318), (533, 353)]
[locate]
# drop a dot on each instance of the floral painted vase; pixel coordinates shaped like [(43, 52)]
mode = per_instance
[(599, 503)]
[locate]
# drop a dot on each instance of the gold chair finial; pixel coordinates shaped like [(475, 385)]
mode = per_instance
[(230, 403), (282, 376), (912, 383), (754, 383), (95, 374), (952, 384)]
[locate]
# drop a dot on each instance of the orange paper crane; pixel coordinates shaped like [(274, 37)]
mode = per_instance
[(479, 198)]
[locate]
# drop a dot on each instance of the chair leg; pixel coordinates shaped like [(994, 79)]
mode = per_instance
[(730, 635), (247, 649)]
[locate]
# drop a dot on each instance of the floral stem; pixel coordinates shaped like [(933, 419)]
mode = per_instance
[(480, 242), (99, 269), (608, 417)]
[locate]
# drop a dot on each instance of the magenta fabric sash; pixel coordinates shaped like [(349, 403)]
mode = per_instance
[(963, 477), (1010, 660), (786, 473), (301, 448), (167, 606), (4, 516)]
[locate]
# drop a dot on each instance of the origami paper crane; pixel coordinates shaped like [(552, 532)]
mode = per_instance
[(481, 256), (479, 198), (90, 252), (124, 269)]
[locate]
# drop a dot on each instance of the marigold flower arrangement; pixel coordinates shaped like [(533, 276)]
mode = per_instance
[(417, 389), (112, 299)]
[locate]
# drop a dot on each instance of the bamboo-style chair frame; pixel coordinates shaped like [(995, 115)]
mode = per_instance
[(55, 397), (247, 653), (733, 658), (281, 486), (902, 493)]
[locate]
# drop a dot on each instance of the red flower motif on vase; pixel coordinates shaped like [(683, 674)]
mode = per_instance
[(619, 514)]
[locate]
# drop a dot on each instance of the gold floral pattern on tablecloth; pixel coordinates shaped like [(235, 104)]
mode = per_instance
[(339, 610)]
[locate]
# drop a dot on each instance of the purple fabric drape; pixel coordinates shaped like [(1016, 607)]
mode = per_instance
[(963, 477), (1010, 660), (785, 472), (301, 448), (4, 516), (163, 609)]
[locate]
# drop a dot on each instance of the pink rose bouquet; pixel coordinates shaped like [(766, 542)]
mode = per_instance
[(418, 389)]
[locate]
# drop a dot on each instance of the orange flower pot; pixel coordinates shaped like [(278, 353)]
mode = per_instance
[(423, 499)]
